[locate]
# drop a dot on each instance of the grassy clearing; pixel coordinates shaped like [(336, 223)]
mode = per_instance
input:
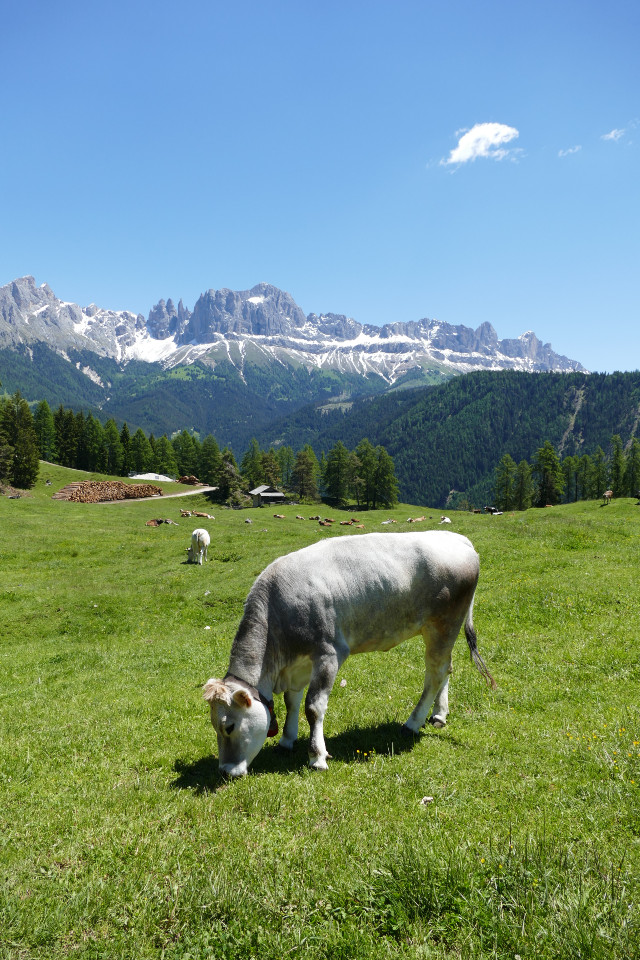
[(118, 839)]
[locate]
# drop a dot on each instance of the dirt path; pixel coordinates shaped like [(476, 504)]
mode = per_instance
[(165, 496)]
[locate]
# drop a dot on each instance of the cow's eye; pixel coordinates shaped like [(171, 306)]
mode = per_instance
[(229, 729)]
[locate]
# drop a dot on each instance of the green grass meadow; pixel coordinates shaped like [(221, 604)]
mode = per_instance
[(118, 838)]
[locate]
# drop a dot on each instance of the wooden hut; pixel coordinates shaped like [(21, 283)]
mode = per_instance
[(265, 495)]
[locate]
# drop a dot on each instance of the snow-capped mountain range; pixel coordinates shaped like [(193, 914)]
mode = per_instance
[(264, 320)]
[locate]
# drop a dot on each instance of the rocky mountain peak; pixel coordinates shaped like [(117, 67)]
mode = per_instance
[(263, 310)]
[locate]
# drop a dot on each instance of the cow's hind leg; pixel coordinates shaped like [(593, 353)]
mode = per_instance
[(292, 699), (440, 709), (438, 649), (323, 675)]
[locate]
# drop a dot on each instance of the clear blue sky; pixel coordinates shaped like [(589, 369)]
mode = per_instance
[(451, 159)]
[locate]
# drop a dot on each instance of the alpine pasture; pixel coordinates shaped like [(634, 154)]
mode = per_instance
[(515, 831)]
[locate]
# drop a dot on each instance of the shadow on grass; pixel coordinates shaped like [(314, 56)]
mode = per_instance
[(351, 746)]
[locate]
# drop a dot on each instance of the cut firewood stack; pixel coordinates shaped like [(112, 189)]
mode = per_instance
[(99, 491)]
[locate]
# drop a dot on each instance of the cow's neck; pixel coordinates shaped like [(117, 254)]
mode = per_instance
[(249, 659)]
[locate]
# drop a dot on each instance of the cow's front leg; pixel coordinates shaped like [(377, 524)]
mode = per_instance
[(292, 699), (323, 675)]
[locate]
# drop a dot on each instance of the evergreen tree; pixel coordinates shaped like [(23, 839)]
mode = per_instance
[(356, 480), (616, 468), (140, 453), (114, 454), (80, 431), (600, 475), (523, 486), (210, 462), (337, 475), (548, 472), (45, 431), (386, 490), (94, 444), (286, 462), (6, 453), (251, 466), (18, 432), (125, 440), (321, 473), (6, 448), (165, 457), (230, 485), (504, 495), (66, 437), (570, 474), (365, 471), (186, 453), (584, 477), (271, 468), (632, 469), (305, 472)]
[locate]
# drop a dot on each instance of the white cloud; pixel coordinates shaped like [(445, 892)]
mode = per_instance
[(482, 140), (569, 151), (614, 134)]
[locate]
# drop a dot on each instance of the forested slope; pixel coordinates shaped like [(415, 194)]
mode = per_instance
[(451, 437)]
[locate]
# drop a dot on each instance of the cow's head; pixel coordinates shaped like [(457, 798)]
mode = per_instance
[(241, 723)]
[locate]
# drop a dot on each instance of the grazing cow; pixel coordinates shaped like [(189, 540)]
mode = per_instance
[(200, 540), (606, 496), (445, 520), (307, 611)]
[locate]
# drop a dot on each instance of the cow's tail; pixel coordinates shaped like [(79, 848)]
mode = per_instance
[(472, 641)]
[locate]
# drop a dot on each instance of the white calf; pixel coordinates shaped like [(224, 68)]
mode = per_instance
[(200, 540)]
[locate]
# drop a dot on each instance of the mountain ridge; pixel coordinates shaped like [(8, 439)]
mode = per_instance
[(224, 322)]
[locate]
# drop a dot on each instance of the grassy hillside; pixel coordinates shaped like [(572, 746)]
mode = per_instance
[(120, 840)]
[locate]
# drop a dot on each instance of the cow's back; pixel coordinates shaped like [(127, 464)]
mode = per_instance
[(372, 591)]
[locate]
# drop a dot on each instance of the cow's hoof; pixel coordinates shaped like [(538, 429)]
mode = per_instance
[(436, 723), (285, 746), (407, 731), (318, 764)]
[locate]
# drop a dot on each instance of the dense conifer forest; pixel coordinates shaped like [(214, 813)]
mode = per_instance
[(447, 440), (462, 443)]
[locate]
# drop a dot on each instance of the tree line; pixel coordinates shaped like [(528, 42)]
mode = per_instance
[(550, 479), (364, 475)]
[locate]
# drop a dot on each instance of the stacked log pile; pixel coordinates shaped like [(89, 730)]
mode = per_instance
[(189, 479), (99, 491)]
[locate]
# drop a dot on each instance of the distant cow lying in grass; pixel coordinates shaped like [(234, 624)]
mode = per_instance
[(310, 609), (200, 540)]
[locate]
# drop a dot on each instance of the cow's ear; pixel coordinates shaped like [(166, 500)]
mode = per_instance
[(242, 699), (215, 690)]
